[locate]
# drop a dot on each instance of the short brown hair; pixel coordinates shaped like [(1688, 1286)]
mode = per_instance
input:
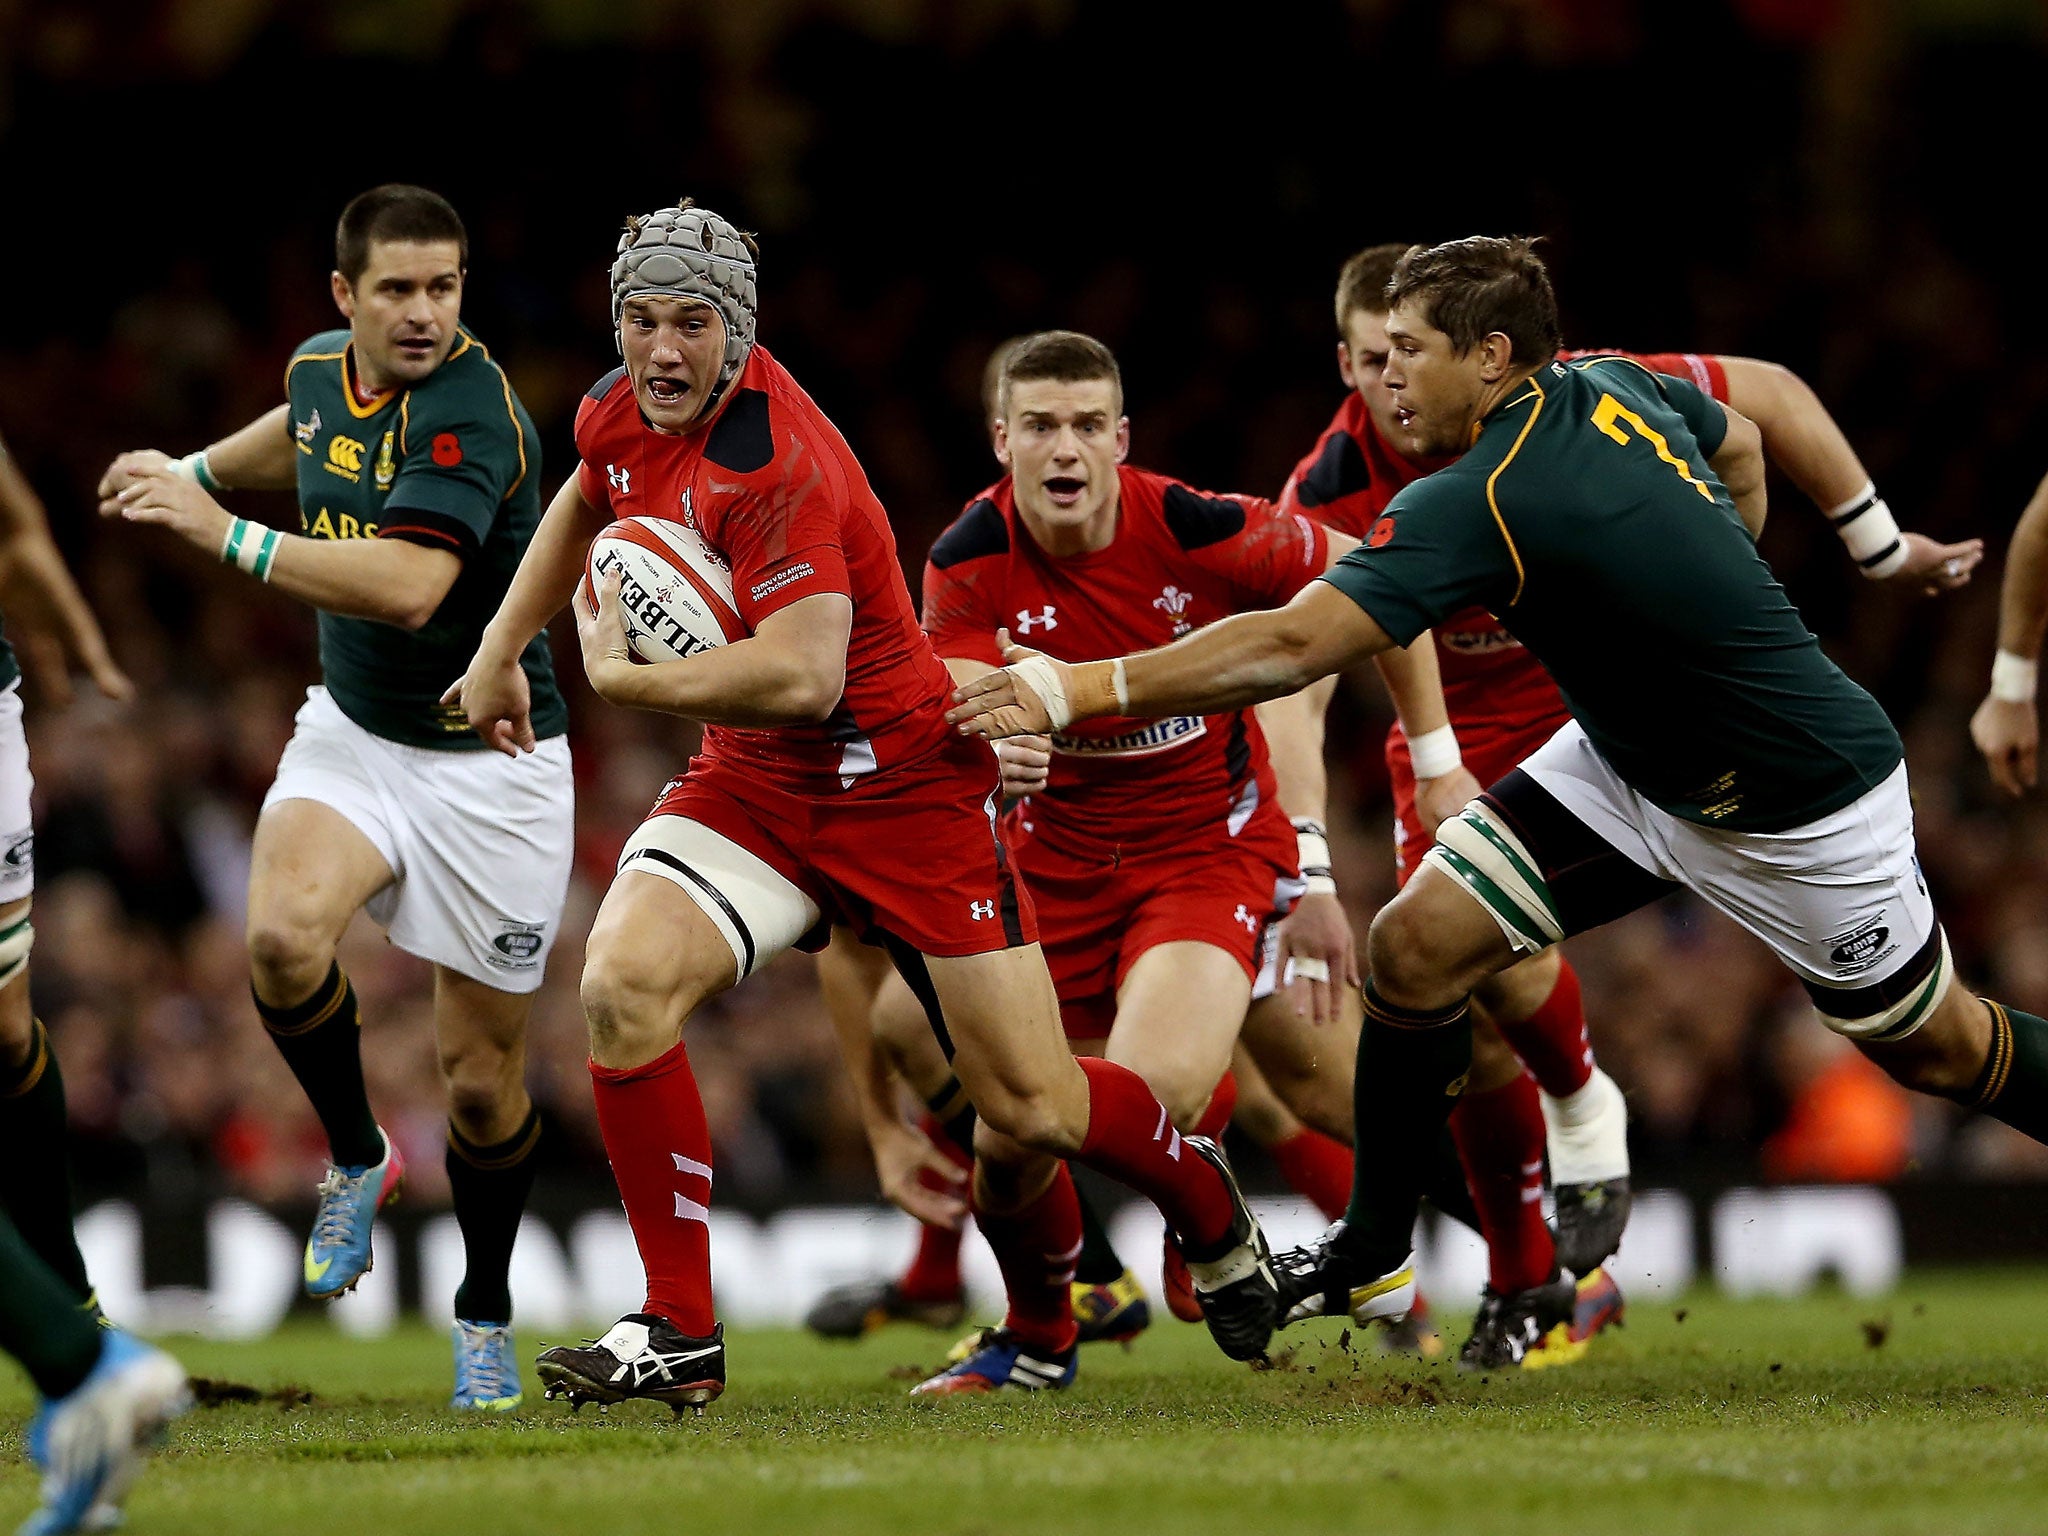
[(1362, 281), (1471, 288), (1066, 356), (395, 211), (992, 377)]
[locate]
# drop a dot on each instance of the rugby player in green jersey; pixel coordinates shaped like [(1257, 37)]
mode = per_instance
[(418, 479), (1607, 516), (104, 1395)]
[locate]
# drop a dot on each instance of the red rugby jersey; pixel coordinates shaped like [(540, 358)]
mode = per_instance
[(1493, 686), (773, 487), (1180, 559)]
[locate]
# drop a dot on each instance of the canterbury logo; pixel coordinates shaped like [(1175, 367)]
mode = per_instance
[(345, 453)]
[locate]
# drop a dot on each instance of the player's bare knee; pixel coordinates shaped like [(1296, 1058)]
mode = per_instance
[(288, 958), (1409, 965), (1037, 1120), (484, 1086)]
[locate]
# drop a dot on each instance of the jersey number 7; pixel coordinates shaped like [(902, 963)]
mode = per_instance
[(1610, 411)]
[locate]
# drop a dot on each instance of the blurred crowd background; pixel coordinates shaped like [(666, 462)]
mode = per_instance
[(1800, 180)]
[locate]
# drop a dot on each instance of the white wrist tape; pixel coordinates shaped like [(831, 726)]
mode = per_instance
[(250, 547), (1866, 525), (194, 467), (1434, 753), (1312, 854), (1043, 678), (1118, 686), (2013, 678)]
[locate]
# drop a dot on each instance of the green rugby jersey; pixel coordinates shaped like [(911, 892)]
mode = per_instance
[(451, 463), (1586, 518)]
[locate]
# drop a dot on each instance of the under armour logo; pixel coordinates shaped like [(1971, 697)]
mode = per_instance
[(1027, 621), (621, 479), (1251, 923), (982, 910)]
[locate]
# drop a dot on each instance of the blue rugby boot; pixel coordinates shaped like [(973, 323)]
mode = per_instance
[(338, 1253), (89, 1445), (1000, 1359), (486, 1368)]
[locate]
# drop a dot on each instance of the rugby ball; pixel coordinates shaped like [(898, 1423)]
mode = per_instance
[(675, 590)]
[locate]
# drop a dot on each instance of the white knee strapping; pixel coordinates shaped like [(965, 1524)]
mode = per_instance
[(1477, 849), (16, 940), (1904, 1016)]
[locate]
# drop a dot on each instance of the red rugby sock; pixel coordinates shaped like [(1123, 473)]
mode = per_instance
[(934, 1273), (1217, 1112), (652, 1118), (1552, 1040), (1130, 1139), (1036, 1249), (1316, 1166), (1500, 1142)]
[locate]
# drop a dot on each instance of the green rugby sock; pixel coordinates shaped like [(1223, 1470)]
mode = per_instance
[(2014, 1084), (1100, 1263), (490, 1185), (1411, 1069), (321, 1041), (35, 1165), (41, 1323)]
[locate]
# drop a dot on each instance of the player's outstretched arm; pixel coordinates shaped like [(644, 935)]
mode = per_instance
[(258, 457), (914, 1175), (390, 580), (37, 590), (493, 690), (2007, 725), (790, 671), (1804, 441), (1232, 664)]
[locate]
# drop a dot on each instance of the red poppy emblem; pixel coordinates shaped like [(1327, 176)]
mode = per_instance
[(447, 450), (1379, 533)]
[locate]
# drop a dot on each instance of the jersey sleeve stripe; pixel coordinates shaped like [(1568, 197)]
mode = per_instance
[(1493, 502), (411, 531), (518, 432)]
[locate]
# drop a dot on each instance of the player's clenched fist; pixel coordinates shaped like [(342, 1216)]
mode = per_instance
[(2008, 733)]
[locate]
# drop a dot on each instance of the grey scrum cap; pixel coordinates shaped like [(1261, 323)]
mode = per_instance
[(687, 252)]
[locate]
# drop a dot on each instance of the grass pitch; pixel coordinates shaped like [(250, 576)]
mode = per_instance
[(1925, 1411)]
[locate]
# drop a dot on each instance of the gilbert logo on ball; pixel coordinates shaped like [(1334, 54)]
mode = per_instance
[(675, 590)]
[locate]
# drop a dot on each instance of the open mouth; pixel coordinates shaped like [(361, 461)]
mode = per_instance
[(1065, 490), (418, 348), (1405, 415), (666, 391)]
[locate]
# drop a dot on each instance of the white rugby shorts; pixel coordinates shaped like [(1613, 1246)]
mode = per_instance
[(17, 837), (1840, 900), (480, 843)]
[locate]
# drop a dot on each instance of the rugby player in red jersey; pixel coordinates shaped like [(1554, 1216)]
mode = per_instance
[(828, 785), (1109, 1302), (1156, 852), (1478, 703)]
